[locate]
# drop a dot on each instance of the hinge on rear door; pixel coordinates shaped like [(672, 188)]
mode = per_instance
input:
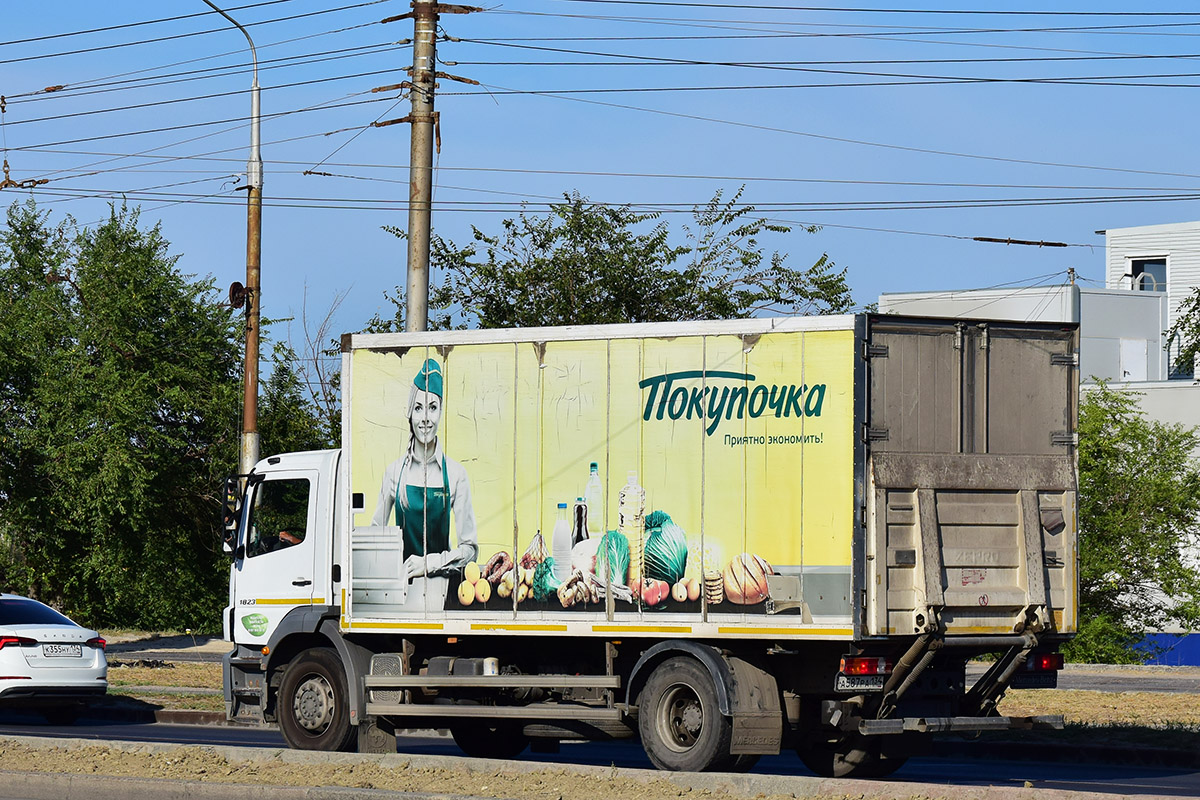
[(1064, 359), (875, 434), (876, 351), (1064, 439)]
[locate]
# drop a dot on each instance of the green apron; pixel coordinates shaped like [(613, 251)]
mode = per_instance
[(419, 504)]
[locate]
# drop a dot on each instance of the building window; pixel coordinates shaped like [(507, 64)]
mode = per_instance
[(1149, 274)]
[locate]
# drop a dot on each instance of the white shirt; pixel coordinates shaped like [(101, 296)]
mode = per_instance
[(411, 470)]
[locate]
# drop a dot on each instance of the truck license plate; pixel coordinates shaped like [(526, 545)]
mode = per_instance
[(62, 650), (859, 683)]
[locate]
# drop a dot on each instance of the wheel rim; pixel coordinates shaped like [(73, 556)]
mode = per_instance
[(313, 704), (680, 719)]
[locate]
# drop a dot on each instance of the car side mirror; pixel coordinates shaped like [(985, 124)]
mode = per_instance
[(231, 507)]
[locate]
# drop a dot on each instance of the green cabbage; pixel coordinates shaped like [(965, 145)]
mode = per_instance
[(612, 560), (666, 550)]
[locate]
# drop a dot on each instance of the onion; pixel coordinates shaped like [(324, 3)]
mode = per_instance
[(746, 579)]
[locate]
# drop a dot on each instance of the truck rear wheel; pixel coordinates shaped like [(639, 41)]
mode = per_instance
[(311, 707), (681, 724), (483, 740), (855, 756)]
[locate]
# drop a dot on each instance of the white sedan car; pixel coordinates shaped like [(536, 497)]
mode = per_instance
[(48, 664)]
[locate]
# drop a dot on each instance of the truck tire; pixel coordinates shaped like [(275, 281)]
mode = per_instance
[(855, 756), (682, 727), (481, 740), (311, 707)]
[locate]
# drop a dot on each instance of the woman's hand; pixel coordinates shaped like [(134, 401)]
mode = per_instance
[(417, 566)]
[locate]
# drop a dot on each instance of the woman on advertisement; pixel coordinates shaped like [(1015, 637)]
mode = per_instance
[(423, 488)]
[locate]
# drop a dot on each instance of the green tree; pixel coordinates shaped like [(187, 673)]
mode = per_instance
[(1139, 527), (120, 389), (586, 263), (1185, 333)]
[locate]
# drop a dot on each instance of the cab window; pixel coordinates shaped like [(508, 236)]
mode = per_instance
[(279, 515)]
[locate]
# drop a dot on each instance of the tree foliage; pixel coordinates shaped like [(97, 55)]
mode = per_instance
[(587, 263), (1185, 334), (1139, 527), (119, 388)]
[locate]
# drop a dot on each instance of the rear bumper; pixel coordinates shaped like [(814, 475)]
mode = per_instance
[(34, 695), (883, 727)]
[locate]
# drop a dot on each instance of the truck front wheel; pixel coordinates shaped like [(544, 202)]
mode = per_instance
[(312, 707), (681, 725)]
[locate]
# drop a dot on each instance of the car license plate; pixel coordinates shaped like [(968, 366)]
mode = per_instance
[(859, 683), (62, 650)]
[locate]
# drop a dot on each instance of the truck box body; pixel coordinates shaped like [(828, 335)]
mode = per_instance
[(881, 466)]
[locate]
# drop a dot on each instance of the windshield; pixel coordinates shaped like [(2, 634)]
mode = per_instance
[(22, 611)]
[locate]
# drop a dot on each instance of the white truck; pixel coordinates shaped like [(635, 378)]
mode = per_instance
[(728, 538)]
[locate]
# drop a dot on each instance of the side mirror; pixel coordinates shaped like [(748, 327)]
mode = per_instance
[(231, 508)]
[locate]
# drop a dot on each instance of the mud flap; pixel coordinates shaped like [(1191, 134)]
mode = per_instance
[(755, 709)]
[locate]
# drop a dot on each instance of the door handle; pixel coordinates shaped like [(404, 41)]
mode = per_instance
[(301, 583)]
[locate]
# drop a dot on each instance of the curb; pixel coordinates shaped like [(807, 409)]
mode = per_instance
[(45, 786)]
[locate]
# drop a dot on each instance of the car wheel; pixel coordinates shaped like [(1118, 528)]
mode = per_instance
[(680, 722), (483, 740), (312, 704)]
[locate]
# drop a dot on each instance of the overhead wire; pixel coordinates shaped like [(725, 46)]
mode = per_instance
[(141, 23), (189, 34)]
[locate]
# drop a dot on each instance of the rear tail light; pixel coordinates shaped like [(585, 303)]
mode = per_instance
[(1044, 662), (97, 642), (17, 641), (862, 665)]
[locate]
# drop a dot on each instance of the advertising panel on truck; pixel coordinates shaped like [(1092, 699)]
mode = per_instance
[(725, 465)]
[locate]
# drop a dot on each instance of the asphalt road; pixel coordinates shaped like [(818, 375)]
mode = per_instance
[(938, 773)]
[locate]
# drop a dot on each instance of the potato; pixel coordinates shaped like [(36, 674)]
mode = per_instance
[(693, 588), (483, 591), (466, 593), (504, 589), (522, 593), (471, 573), (679, 592)]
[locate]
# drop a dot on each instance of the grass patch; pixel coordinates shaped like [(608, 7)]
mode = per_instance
[(177, 674), (173, 702)]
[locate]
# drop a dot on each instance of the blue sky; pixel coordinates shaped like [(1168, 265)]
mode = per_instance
[(965, 148)]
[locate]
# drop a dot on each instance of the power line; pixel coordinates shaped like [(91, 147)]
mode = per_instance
[(126, 25), (175, 100), (206, 73), (193, 125), (915, 11), (173, 37), (848, 140)]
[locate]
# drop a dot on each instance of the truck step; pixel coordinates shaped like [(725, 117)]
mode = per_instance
[(533, 711), (493, 681)]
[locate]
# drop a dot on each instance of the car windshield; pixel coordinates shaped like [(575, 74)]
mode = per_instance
[(22, 611)]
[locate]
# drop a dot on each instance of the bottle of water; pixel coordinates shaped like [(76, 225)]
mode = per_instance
[(593, 493), (560, 545), (631, 521)]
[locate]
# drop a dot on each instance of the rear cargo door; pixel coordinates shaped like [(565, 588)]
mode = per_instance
[(971, 471)]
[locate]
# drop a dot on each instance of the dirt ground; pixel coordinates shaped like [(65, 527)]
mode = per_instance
[(203, 764)]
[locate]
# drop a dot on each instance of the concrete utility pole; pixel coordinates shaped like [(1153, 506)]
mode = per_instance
[(420, 170), (425, 135), (254, 184)]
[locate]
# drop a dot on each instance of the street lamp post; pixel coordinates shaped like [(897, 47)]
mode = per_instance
[(254, 182)]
